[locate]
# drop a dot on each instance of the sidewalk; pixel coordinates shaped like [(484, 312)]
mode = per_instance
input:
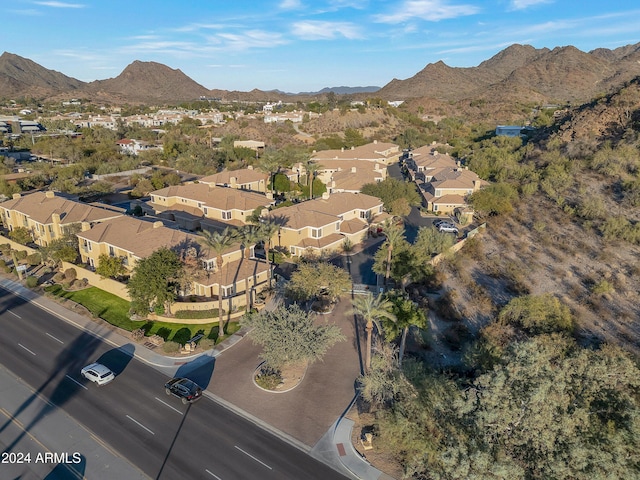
[(334, 448)]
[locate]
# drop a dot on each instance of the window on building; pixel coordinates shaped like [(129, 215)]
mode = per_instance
[(112, 252), (226, 215), (316, 232)]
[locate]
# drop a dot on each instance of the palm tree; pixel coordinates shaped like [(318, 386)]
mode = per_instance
[(394, 236), (270, 163), (372, 310), (218, 242), (268, 229), (311, 168), (248, 235)]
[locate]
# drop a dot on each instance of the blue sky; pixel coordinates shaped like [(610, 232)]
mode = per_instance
[(300, 45)]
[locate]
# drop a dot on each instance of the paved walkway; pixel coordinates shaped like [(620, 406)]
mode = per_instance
[(309, 417)]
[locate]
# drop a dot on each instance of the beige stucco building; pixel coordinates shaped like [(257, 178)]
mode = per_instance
[(48, 216), (199, 205), (323, 224)]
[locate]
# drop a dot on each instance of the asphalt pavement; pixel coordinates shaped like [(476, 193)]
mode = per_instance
[(310, 417)]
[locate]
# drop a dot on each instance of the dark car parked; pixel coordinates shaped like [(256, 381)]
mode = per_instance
[(183, 388)]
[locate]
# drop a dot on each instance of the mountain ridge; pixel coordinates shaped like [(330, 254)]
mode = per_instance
[(523, 72)]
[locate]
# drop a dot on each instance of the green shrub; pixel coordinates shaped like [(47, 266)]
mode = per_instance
[(206, 343), (32, 281), (21, 254), (171, 347), (5, 248), (197, 314)]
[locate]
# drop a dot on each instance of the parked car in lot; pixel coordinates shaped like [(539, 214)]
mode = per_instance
[(187, 390), (449, 228), (98, 374)]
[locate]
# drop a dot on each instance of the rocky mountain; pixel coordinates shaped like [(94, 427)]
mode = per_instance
[(149, 82), (564, 74), (519, 72), (20, 76)]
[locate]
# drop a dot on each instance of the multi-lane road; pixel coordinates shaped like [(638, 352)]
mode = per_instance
[(162, 437)]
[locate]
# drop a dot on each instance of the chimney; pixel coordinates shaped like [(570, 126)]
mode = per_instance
[(342, 149), (375, 142), (234, 182), (264, 212), (325, 196), (250, 167), (49, 194), (476, 185), (16, 196), (353, 169), (212, 186), (158, 224), (55, 217), (85, 226)]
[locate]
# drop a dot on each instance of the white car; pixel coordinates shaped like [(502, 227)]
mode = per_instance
[(448, 228), (97, 373)]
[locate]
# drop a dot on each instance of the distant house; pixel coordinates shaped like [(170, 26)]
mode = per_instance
[(134, 147), (509, 130)]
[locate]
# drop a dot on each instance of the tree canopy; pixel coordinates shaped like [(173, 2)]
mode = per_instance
[(311, 280), (290, 335), (390, 190), (155, 281), (549, 409)]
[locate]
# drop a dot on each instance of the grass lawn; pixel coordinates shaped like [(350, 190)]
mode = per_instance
[(115, 310)]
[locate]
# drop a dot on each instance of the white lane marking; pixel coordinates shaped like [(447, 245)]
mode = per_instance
[(135, 421), (76, 382), (213, 474), (20, 345), (56, 339), (172, 408), (14, 314), (249, 455)]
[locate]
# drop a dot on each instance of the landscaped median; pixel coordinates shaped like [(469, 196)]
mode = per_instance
[(115, 311)]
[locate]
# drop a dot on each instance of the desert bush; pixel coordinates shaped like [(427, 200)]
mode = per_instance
[(58, 277), (32, 281), (21, 254), (170, 347), (70, 274), (34, 259), (602, 287), (138, 334), (5, 248)]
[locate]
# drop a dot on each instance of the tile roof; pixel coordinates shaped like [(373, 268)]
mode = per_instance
[(455, 178), (220, 198), (40, 207), (244, 175), (139, 237), (324, 211), (371, 151)]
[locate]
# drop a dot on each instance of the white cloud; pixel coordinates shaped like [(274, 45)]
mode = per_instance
[(290, 5), (54, 4), (523, 4), (318, 30), (250, 39), (430, 10)]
